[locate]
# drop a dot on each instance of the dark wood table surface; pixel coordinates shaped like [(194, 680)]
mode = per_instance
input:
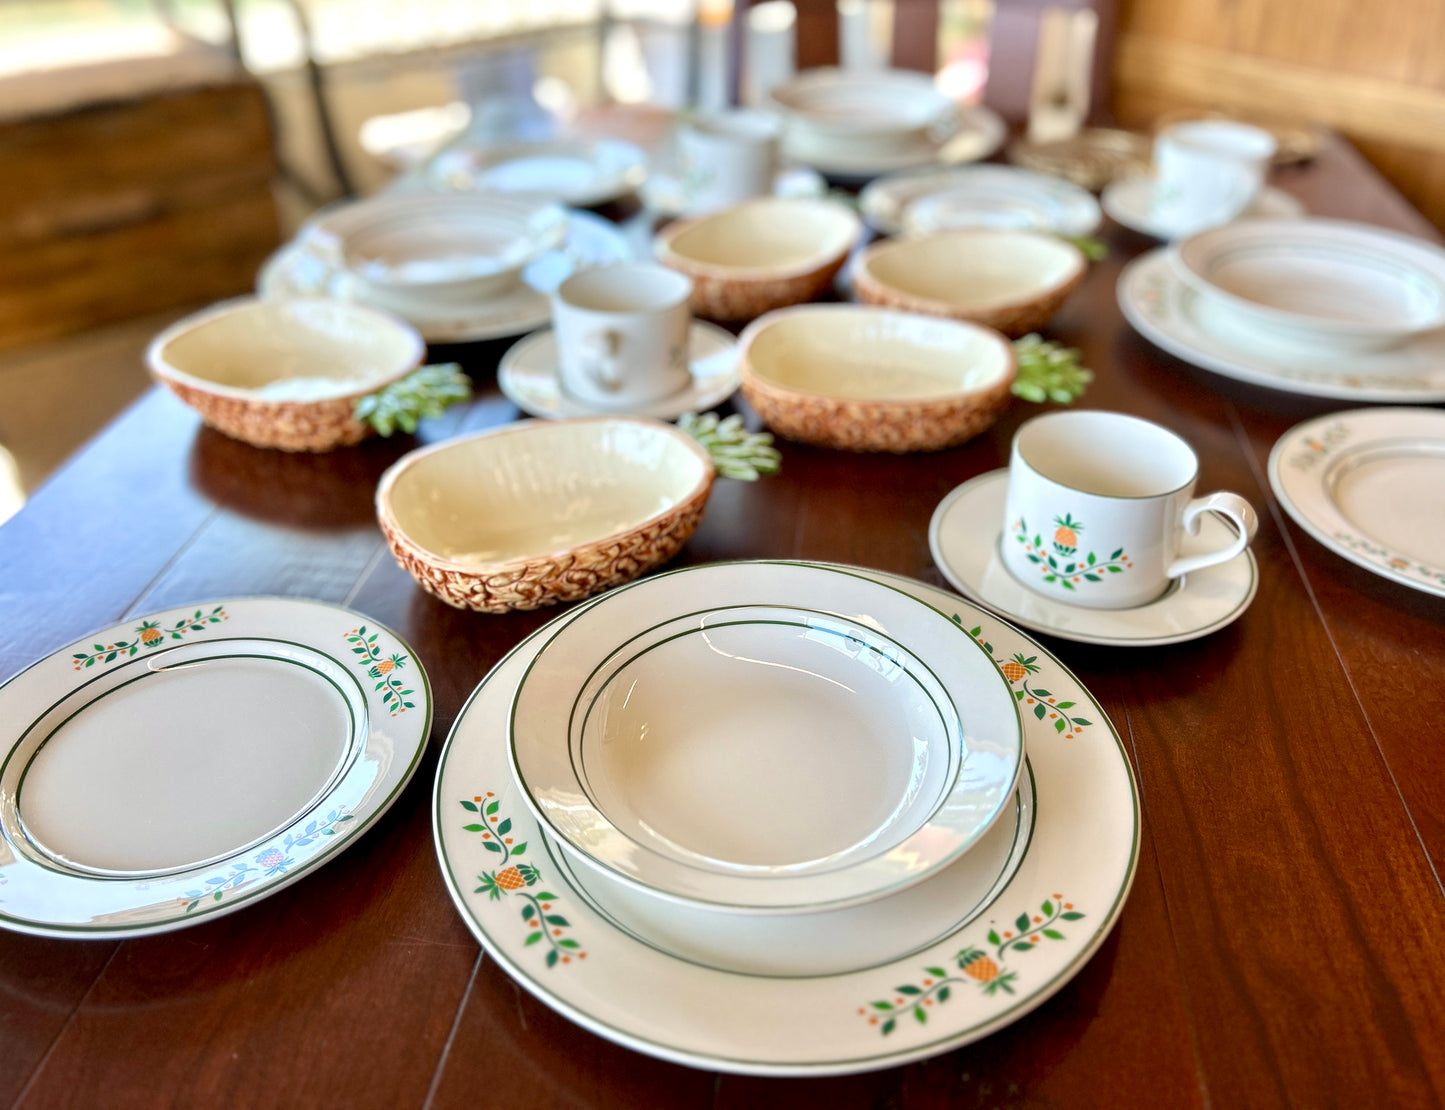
[(1284, 943)]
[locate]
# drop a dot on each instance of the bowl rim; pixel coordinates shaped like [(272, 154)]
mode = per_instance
[(863, 267), (669, 256), (385, 486), (1406, 251), (752, 375), (169, 373), (908, 83)]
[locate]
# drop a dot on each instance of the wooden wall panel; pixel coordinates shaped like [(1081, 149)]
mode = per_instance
[(1374, 72)]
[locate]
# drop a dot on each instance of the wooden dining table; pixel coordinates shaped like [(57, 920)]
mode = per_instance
[(1283, 943)]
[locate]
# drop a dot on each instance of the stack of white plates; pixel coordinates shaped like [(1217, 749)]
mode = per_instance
[(861, 123), (926, 201), (457, 266), (1324, 307), (776, 818)]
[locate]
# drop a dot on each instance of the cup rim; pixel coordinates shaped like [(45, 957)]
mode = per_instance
[(681, 285), (1016, 452)]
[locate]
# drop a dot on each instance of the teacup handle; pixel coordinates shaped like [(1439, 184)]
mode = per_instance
[(1228, 505), (600, 352)]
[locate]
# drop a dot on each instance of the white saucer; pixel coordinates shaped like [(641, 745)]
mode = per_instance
[(665, 193), (528, 377), (974, 133), (1008, 944), (1127, 202), (1202, 331), (1370, 486), (964, 535), (295, 270)]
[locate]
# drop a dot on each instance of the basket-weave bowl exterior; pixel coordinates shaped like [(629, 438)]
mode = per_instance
[(542, 580), (285, 425)]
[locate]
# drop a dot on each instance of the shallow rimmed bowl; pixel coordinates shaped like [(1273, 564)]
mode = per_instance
[(871, 379), (760, 255), (415, 252), (1012, 281), (542, 512), (284, 373), (833, 111), (1322, 284)]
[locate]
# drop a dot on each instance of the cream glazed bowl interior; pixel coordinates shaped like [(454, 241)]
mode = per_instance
[(541, 512), (1013, 281), (760, 255), (284, 373), (870, 379)]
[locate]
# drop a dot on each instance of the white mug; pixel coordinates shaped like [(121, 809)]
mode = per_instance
[(1207, 172), (727, 158), (622, 334), (1097, 505)]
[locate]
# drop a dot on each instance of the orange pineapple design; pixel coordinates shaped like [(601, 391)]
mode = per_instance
[(511, 879), (1018, 667), (150, 633), (980, 967), (1066, 535)]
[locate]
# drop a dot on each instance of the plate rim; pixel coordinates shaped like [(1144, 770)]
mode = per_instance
[(330, 846)]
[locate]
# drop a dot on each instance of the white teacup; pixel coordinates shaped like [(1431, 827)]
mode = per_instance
[(622, 334), (1207, 172), (728, 158), (1097, 505)]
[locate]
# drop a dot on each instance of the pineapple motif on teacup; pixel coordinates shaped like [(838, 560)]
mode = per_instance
[(1097, 505)]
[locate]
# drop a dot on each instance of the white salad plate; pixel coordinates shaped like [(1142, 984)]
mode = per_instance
[(967, 134), (1015, 939), (981, 196), (581, 173), (298, 269), (964, 537), (178, 766), (697, 747), (1204, 332), (1328, 285), (528, 377), (666, 194), (1370, 486), (1129, 203)]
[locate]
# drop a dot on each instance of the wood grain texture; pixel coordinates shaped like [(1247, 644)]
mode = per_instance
[(1282, 944)]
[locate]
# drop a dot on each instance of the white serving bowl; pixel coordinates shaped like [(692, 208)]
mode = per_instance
[(760, 255), (858, 113), (415, 252), (543, 511), (1012, 281), (1321, 284), (284, 373), (765, 737), (869, 379)]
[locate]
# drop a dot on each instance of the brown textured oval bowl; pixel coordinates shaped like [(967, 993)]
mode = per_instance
[(760, 255), (543, 511), (1012, 281), (869, 379), (284, 373)]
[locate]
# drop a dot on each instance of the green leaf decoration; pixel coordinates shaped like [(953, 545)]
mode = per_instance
[(881, 1005), (1072, 915), (1022, 923), (888, 1026), (909, 990), (505, 827), (1094, 249), (936, 972), (519, 849), (552, 957), (470, 806), (920, 1015), (492, 807), (533, 939), (491, 846), (473, 827), (426, 392), (1048, 908), (736, 452), (1053, 934), (944, 993), (1048, 372), (568, 942), (546, 895)]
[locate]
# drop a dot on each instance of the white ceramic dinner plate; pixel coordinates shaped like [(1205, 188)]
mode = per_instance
[(982, 196), (1129, 203), (964, 537), (1023, 934), (1166, 311), (1370, 485), (528, 377), (576, 172), (297, 270), (178, 766), (692, 733)]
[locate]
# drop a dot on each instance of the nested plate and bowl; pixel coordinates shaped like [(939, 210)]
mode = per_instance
[(870, 379), (541, 512), (284, 373)]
